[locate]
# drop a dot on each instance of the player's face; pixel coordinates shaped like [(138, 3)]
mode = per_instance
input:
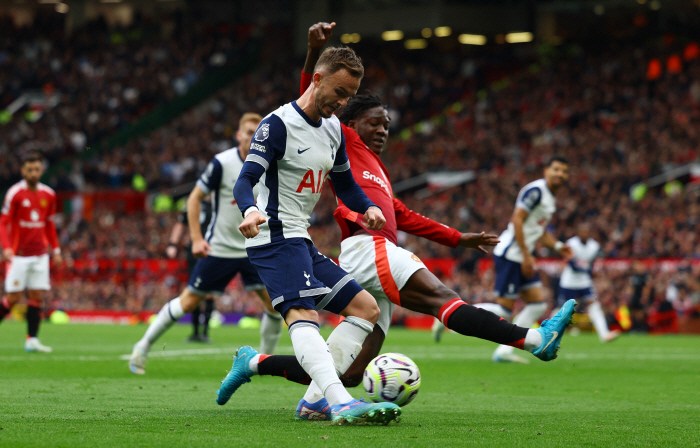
[(373, 128), (584, 232), (32, 171), (556, 174), (244, 135), (334, 91)]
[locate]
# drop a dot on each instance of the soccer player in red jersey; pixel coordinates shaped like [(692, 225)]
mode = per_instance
[(393, 275), (28, 209)]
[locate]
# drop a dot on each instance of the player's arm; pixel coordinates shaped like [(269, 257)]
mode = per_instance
[(548, 240), (268, 144), (8, 209), (347, 189), (52, 233), (416, 224), (319, 35), (176, 235), (200, 246)]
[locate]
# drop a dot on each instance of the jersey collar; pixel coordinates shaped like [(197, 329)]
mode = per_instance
[(316, 124)]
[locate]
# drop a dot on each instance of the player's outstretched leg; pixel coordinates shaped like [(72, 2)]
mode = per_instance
[(552, 330), (597, 316), (530, 314), (166, 317)]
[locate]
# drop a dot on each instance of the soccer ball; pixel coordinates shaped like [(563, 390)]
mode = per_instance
[(392, 377)]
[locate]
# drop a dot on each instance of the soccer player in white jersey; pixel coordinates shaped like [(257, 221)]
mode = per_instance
[(515, 264), (221, 251), (294, 149), (576, 280)]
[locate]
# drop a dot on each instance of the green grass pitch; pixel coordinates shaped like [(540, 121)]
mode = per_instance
[(637, 391)]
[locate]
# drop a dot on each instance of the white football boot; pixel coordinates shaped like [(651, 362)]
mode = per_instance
[(137, 362), (33, 345)]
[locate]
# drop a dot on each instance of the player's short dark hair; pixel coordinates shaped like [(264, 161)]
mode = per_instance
[(32, 156), (359, 104), (337, 58), (557, 158)]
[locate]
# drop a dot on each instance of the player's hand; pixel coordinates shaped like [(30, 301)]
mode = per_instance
[(476, 240), (527, 267), (319, 34), (57, 259), (566, 252), (374, 218), (7, 254), (249, 227), (200, 248), (171, 251)]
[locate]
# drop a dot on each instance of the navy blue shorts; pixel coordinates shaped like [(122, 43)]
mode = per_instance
[(211, 275), (587, 294), (296, 274), (510, 280)]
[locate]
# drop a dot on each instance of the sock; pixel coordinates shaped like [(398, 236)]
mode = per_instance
[(33, 319), (196, 312), (480, 323), (167, 316), (496, 309), (208, 310), (315, 358), (345, 343), (532, 341), (5, 307), (530, 313), (270, 330), (286, 366), (595, 313)]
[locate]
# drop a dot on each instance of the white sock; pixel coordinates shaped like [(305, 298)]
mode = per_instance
[(533, 339), (496, 309), (315, 358), (270, 330), (525, 318), (344, 343), (595, 313), (167, 316), (253, 363)]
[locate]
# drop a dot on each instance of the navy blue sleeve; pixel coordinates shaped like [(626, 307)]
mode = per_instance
[(344, 184), (267, 145), (211, 177), (529, 199)]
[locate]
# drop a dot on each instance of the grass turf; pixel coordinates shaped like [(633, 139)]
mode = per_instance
[(637, 391)]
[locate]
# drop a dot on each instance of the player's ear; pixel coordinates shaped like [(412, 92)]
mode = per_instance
[(352, 123), (317, 79)]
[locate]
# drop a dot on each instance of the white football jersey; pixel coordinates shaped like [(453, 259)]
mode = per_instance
[(222, 234), (536, 199), (584, 256), (298, 154)]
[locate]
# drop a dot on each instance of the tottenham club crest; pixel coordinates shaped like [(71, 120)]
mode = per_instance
[(263, 132)]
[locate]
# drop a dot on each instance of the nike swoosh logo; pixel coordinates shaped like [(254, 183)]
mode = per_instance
[(299, 151), (554, 336)]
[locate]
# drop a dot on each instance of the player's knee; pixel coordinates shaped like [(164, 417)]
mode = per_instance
[(189, 301), (371, 312)]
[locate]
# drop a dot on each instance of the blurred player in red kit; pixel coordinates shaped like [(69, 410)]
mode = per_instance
[(28, 210)]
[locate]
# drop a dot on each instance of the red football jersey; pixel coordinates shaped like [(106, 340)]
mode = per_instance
[(372, 176), (30, 215)]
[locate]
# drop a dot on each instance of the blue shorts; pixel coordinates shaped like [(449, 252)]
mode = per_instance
[(296, 274), (211, 275), (587, 294), (510, 280)]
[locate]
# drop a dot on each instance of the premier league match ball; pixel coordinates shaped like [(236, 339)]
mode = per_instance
[(392, 377)]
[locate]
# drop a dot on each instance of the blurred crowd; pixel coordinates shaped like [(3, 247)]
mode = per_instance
[(499, 116)]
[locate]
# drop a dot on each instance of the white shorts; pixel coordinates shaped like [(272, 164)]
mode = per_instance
[(30, 273), (381, 267)]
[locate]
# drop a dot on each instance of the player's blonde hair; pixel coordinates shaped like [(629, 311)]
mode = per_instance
[(249, 117), (337, 58)]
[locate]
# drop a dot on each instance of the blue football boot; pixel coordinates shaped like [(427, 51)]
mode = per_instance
[(552, 331), (240, 374), (358, 412), (318, 411)]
